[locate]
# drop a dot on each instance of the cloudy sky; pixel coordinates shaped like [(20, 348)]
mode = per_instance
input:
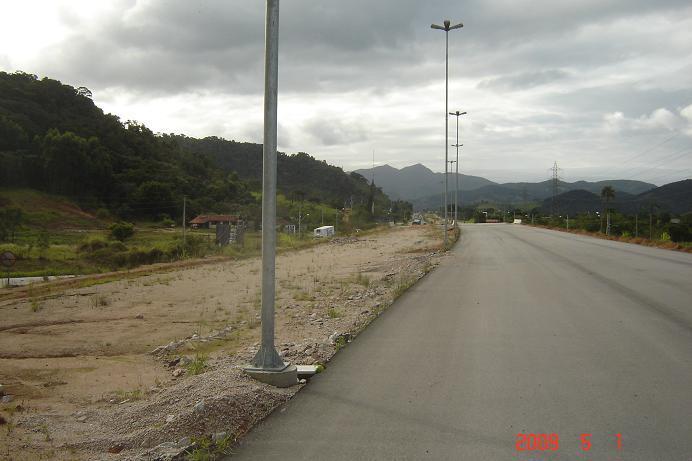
[(602, 87)]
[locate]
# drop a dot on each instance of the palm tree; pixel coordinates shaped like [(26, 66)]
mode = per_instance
[(607, 194)]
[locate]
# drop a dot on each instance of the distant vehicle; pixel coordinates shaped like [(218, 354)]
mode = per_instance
[(417, 221), (324, 231), (517, 221)]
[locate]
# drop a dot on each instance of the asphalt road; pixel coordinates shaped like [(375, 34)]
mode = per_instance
[(520, 330)]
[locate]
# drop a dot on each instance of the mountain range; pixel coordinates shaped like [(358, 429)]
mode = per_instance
[(675, 198), (423, 187)]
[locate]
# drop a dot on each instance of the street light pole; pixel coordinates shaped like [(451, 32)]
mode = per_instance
[(267, 365), (457, 145), (447, 27)]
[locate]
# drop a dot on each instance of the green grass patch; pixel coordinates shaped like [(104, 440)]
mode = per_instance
[(361, 279), (206, 449), (198, 365), (135, 394)]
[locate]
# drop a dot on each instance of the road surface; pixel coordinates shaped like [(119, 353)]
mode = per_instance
[(520, 330)]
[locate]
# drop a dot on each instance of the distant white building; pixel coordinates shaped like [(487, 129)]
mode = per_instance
[(324, 231)]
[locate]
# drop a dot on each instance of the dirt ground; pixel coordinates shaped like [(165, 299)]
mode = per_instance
[(136, 368)]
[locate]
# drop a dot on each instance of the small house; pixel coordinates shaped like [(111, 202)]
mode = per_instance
[(209, 221)]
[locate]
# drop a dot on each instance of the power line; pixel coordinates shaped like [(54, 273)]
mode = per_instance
[(668, 159), (608, 175)]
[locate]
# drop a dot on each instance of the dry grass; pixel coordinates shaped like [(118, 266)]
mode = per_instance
[(634, 240)]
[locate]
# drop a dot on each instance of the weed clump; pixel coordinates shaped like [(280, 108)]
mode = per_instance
[(197, 365)]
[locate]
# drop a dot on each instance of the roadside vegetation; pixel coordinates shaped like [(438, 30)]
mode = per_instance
[(52, 236), (84, 192), (652, 227)]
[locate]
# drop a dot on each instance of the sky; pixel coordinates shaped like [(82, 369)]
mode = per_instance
[(602, 87)]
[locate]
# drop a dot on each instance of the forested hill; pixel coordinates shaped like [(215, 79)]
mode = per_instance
[(55, 139), (298, 175)]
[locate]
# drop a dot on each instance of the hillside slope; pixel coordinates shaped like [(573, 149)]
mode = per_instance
[(53, 138), (298, 175), (48, 211)]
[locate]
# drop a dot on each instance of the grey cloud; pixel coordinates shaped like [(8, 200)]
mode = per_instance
[(580, 60), (523, 80), (331, 131), (332, 46)]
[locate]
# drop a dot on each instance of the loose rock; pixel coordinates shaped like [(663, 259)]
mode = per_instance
[(117, 448), (219, 436), (199, 407)]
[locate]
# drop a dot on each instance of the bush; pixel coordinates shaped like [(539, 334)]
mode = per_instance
[(167, 222), (122, 231), (103, 214), (680, 233), (92, 244)]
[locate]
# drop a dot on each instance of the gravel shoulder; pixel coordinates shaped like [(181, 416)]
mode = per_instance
[(110, 371)]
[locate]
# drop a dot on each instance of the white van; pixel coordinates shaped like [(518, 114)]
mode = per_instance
[(324, 231)]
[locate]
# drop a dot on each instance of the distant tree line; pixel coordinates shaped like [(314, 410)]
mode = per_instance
[(55, 139)]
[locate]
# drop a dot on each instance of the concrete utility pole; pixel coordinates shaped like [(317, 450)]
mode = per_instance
[(456, 177), (300, 210), (267, 366), (447, 27), (184, 221)]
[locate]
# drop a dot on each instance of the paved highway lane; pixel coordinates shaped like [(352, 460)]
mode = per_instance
[(520, 330)]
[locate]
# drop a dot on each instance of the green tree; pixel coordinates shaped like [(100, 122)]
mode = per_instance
[(153, 198), (65, 158), (43, 242), (12, 135), (10, 221)]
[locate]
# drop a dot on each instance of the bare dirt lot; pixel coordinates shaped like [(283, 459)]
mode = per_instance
[(136, 368)]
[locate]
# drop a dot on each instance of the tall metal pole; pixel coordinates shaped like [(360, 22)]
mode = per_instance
[(267, 358), (446, 124), (447, 27), (456, 178), (457, 145)]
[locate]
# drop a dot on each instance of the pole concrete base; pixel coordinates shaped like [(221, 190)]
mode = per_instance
[(285, 377)]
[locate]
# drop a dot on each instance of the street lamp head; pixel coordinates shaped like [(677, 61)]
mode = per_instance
[(447, 27)]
